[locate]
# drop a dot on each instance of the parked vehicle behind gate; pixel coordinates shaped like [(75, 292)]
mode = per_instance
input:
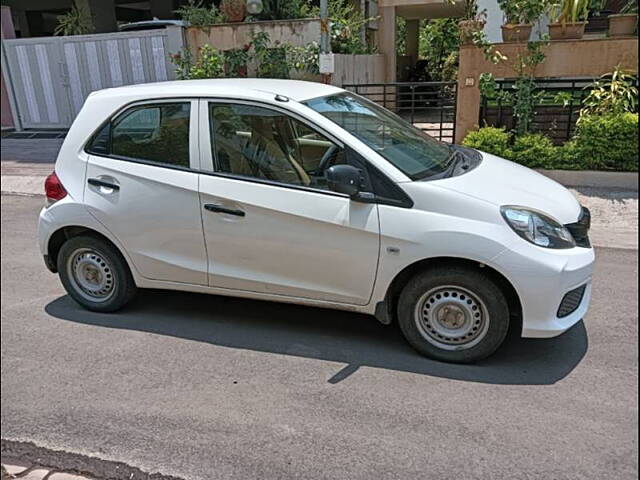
[(305, 193)]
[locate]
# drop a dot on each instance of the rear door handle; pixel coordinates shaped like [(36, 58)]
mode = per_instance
[(212, 207), (96, 182)]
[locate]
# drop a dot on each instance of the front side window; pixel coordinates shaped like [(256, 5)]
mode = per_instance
[(157, 133), (261, 143), (409, 149)]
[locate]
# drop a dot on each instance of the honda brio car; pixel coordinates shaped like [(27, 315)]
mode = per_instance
[(306, 193)]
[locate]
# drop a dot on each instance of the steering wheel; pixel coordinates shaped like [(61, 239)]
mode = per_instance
[(326, 159)]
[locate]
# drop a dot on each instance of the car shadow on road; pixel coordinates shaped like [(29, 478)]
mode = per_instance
[(355, 339)]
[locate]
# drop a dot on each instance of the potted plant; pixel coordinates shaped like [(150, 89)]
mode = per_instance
[(626, 22), (567, 19), (234, 10), (519, 16), (472, 22)]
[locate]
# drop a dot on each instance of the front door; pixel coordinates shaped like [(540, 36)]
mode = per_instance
[(143, 187), (270, 223)]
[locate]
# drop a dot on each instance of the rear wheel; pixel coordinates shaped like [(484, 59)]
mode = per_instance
[(453, 314), (95, 274)]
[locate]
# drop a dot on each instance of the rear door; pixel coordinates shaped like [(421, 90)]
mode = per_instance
[(142, 185), (271, 225)]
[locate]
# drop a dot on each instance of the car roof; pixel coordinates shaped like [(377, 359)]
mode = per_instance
[(294, 89)]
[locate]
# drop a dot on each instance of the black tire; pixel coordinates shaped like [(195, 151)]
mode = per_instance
[(114, 267), (494, 326)]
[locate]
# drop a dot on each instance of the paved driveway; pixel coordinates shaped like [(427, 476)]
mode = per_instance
[(207, 387)]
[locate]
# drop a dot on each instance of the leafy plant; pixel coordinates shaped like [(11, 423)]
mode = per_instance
[(439, 43), (209, 63), (522, 11), (524, 95), (200, 16), (236, 61), (273, 61), (285, 9), (534, 150), (630, 7), (613, 92), (489, 139), (608, 142), (76, 21), (601, 142), (568, 11)]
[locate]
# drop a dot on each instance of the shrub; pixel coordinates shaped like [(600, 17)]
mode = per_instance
[(199, 15), (534, 150), (608, 142), (489, 139)]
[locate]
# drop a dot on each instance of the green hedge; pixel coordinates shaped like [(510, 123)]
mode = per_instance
[(607, 142)]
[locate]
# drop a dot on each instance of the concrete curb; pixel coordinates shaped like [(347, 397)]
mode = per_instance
[(590, 178)]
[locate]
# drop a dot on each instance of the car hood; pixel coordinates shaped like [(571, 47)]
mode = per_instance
[(501, 182)]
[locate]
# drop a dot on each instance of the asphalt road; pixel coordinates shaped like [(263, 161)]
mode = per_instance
[(206, 387)]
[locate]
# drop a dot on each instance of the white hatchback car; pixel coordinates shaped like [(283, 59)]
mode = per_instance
[(305, 193)]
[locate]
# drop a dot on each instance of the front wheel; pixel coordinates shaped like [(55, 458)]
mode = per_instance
[(95, 274), (453, 314)]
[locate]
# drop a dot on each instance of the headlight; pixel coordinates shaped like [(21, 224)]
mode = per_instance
[(537, 228)]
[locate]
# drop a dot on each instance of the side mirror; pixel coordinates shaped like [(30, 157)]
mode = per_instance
[(344, 179)]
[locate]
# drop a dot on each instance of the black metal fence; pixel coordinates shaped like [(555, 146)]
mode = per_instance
[(430, 106), (556, 112)]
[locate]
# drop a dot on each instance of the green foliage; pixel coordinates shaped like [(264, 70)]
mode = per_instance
[(608, 142), (568, 11), (200, 16), (347, 22), (522, 11), (489, 139), (601, 142), (611, 93), (209, 64), (274, 61), (285, 9), (524, 95), (439, 45), (630, 7), (76, 21), (236, 60), (534, 150)]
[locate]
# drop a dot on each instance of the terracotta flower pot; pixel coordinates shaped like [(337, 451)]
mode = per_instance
[(234, 10), (622, 25), (516, 32), (467, 28), (566, 31)]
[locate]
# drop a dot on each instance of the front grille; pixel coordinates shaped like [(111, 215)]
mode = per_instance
[(571, 301), (580, 229)]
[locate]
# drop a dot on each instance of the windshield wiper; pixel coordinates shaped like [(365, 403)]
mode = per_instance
[(456, 158)]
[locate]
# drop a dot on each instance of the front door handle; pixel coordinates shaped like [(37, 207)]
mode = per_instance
[(96, 182), (212, 207)]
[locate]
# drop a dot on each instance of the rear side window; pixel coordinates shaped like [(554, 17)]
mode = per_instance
[(157, 133)]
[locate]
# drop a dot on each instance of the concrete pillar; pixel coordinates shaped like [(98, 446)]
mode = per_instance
[(103, 14), (387, 41), (413, 40)]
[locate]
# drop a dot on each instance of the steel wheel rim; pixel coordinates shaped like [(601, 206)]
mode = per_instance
[(91, 274), (452, 318)]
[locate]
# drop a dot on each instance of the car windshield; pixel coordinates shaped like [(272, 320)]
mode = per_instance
[(411, 150)]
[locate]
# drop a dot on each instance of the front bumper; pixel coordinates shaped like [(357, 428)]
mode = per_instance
[(542, 277)]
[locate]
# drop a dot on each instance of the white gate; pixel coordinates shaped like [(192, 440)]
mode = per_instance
[(50, 77)]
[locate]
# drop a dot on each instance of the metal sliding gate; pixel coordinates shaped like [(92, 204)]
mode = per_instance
[(50, 77), (430, 106)]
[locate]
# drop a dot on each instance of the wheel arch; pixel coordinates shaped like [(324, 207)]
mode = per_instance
[(57, 239), (385, 311)]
